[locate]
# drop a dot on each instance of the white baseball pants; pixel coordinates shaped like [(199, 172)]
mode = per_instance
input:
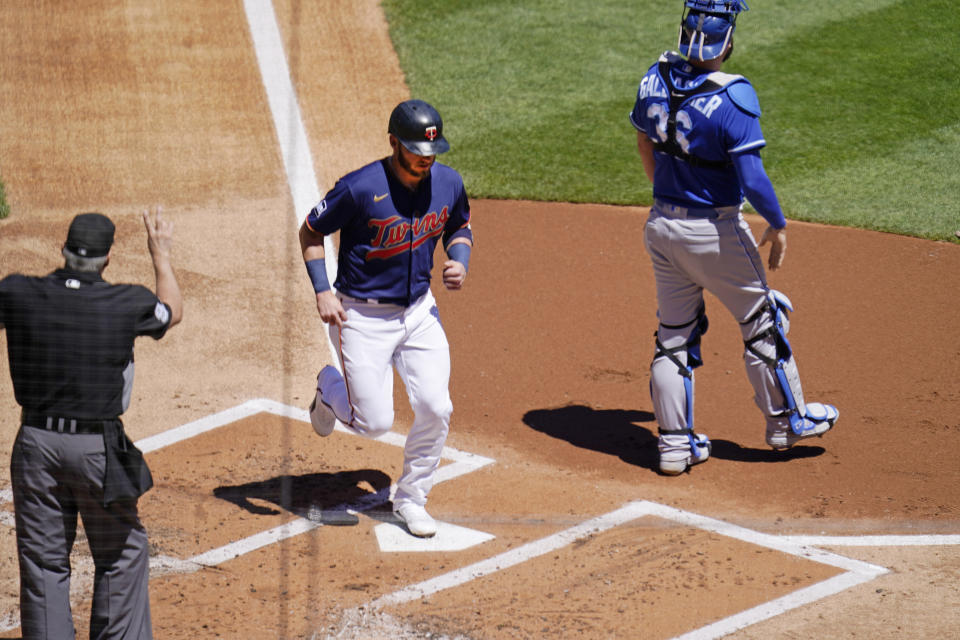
[(374, 339)]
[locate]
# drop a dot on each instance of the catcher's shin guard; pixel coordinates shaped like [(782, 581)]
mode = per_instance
[(672, 391), (773, 369)]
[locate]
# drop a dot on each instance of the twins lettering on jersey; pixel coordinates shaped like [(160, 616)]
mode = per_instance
[(391, 233)]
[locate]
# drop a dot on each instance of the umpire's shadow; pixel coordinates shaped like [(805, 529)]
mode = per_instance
[(327, 498), (612, 431)]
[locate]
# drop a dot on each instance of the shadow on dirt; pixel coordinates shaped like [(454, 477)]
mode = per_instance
[(611, 431), (329, 498), (727, 450), (616, 432)]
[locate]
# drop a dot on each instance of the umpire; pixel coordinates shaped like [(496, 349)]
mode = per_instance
[(70, 341)]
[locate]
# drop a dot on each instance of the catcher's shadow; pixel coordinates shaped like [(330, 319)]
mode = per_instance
[(612, 431), (616, 432), (727, 450), (322, 497)]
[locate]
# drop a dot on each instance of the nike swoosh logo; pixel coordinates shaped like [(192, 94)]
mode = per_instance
[(379, 198)]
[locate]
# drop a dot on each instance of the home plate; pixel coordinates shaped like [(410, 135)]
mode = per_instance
[(450, 537)]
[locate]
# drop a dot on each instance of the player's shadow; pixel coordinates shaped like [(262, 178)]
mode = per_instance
[(727, 450), (612, 431), (327, 498), (617, 432)]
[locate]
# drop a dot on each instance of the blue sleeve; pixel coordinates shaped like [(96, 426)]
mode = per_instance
[(458, 224), (334, 211), (757, 187), (649, 91), (741, 131), (636, 115)]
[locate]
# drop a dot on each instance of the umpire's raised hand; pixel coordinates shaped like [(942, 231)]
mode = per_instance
[(160, 244)]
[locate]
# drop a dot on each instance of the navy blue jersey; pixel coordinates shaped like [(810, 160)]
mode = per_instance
[(388, 233), (712, 126)]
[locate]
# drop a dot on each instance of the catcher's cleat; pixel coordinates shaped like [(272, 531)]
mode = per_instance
[(321, 415), (418, 521), (675, 462), (819, 419)]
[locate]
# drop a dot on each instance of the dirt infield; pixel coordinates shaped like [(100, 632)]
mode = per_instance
[(121, 105)]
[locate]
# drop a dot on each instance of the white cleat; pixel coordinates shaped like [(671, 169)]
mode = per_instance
[(820, 418), (674, 463), (418, 521)]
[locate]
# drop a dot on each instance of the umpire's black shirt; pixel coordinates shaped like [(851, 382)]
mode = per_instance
[(70, 341)]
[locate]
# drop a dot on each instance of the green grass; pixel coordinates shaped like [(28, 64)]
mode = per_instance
[(4, 207), (861, 104)]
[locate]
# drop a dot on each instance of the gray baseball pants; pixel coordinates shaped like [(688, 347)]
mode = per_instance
[(689, 255), (55, 477)]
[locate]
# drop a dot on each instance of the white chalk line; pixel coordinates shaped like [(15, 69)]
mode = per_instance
[(288, 122), (876, 541), (508, 559), (463, 463), (856, 572), (282, 98), (773, 608)]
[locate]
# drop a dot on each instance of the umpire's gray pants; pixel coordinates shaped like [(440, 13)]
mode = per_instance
[(55, 476)]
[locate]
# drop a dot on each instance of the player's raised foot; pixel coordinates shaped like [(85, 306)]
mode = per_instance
[(418, 521), (321, 415), (819, 419), (676, 454)]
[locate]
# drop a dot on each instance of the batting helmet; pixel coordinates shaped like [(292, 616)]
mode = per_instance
[(418, 127), (707, 26)]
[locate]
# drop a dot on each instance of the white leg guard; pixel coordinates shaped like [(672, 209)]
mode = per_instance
[(772, 371), (672, 391)]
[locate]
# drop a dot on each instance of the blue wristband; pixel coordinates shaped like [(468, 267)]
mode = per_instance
[(461, 253), (318, 274)]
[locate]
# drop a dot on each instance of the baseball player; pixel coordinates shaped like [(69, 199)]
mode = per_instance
[(391, 214), (698, 133)]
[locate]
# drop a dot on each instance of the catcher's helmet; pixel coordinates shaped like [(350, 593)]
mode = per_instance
[(418, 127), (707, 26)]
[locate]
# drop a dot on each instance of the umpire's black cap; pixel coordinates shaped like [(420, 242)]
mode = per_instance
[(418, 127), (90, 235)]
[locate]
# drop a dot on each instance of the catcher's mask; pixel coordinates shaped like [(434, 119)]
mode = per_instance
[(707, 27), (418, 127)]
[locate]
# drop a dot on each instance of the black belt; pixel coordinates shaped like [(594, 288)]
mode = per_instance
[(403, 302), (61, 424)]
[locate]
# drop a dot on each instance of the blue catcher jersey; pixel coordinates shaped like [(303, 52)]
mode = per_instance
[(711, 127), (388, 233)]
